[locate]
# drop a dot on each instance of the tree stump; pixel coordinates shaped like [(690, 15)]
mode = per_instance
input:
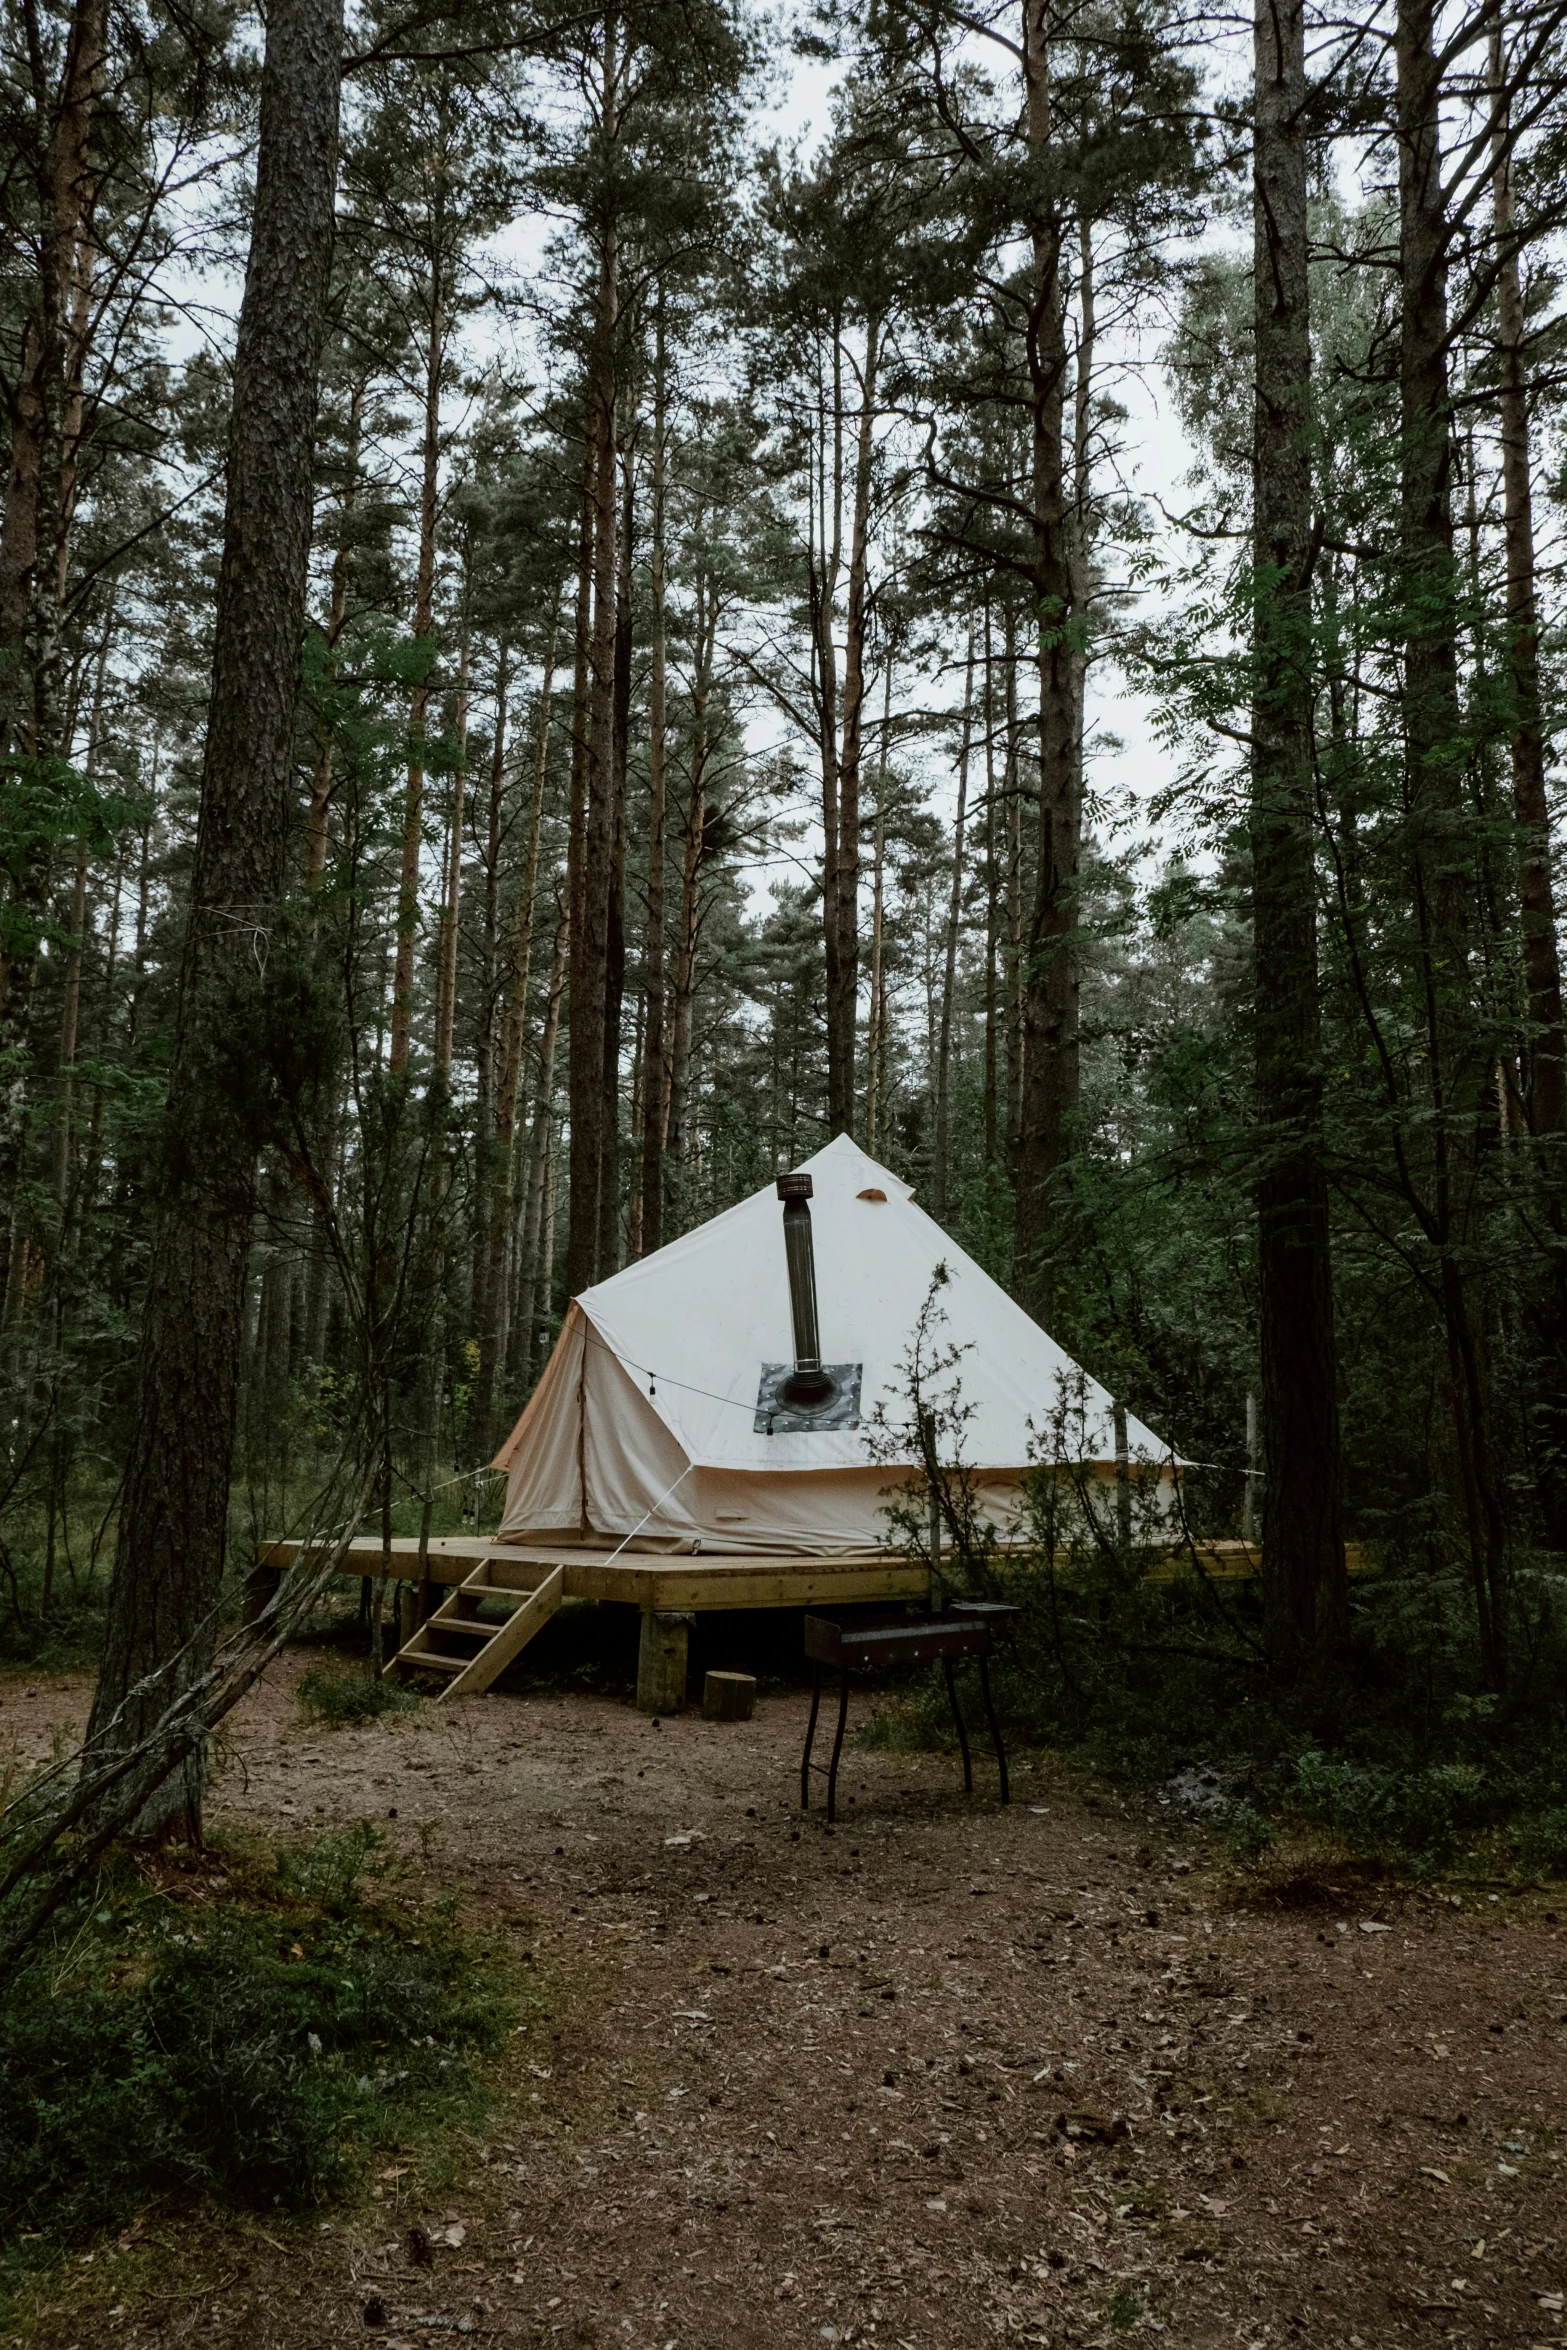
[(728, 1697), (661, 1662)]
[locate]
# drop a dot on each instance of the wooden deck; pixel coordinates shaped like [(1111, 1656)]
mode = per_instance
[(644, 1579), (497, 1595), (640, 1579)]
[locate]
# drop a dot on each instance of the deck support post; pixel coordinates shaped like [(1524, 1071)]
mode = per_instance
[(662, 1661)]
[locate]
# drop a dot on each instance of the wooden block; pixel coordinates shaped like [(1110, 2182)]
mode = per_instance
[(662, 1660), (728, 1697)]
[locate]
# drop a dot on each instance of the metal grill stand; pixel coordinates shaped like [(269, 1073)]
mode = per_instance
[(914, 1640)]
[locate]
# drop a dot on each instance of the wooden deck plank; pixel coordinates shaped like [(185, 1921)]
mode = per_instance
[(657, 1580), (670, 1585)]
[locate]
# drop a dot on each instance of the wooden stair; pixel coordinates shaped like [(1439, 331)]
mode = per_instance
[(463, 1649)]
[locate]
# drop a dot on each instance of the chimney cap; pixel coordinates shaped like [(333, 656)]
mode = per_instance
[(795, 1186)]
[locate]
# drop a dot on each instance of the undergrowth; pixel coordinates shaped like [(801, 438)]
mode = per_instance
[(1398, 1764), (57, 1550), (343, 1698), (256, 2036), (1397, 1753)]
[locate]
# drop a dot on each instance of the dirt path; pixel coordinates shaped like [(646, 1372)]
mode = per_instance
[(952, 2076)]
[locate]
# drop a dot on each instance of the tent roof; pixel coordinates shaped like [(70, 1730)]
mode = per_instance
[(693, 1324)]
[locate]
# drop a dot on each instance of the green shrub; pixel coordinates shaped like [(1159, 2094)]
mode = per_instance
[(1418, 1815), (1250, 1831), (256, 2045), (1542, 1842), (346, 1699)]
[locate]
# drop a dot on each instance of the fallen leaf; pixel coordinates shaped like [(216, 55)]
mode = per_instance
[(1370, 1926), (1426, 2172)]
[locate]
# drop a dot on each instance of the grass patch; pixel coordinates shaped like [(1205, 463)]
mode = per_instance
[(342, 1698), (257, 2037)]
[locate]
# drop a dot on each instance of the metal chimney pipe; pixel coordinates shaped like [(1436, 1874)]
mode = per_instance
[(809, 1384)]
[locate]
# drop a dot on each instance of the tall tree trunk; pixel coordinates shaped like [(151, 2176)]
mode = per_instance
[(615, 928), (1545, 1086), (70, 1018), (590, 943), (538, 1240), (1544, 1059), (1050, 981), (655, 1061), (689, 925), (1441, 836), (513, 1031), (451, 896), (949, 973), (845, 910), (876, 1025), (169, 1557), (1305, 1594), (1016, 1033), (321, 781), (992, 922), (424, 624), (46, 408), (490, 991), (826, 563)]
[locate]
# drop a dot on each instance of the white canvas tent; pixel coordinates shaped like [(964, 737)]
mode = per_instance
[(646, 1421)]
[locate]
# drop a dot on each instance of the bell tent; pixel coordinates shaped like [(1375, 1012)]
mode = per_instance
[(690, 1405)]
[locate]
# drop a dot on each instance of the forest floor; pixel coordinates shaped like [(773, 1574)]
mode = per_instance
[(1056, 2074)]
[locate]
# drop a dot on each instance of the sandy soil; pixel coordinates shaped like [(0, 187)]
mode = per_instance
[(953, 2075)]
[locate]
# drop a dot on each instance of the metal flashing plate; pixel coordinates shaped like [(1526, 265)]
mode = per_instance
[(841, 1409)]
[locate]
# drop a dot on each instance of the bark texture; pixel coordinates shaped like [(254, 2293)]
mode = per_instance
[(1440, 830), (169, 1561), (590, 929), (1304, 1587), (1049, 1043), (1544, 1063)]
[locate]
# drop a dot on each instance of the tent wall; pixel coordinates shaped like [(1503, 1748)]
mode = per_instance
[(643, 1427)]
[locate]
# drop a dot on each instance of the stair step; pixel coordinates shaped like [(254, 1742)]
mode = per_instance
[(498, 1642)]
